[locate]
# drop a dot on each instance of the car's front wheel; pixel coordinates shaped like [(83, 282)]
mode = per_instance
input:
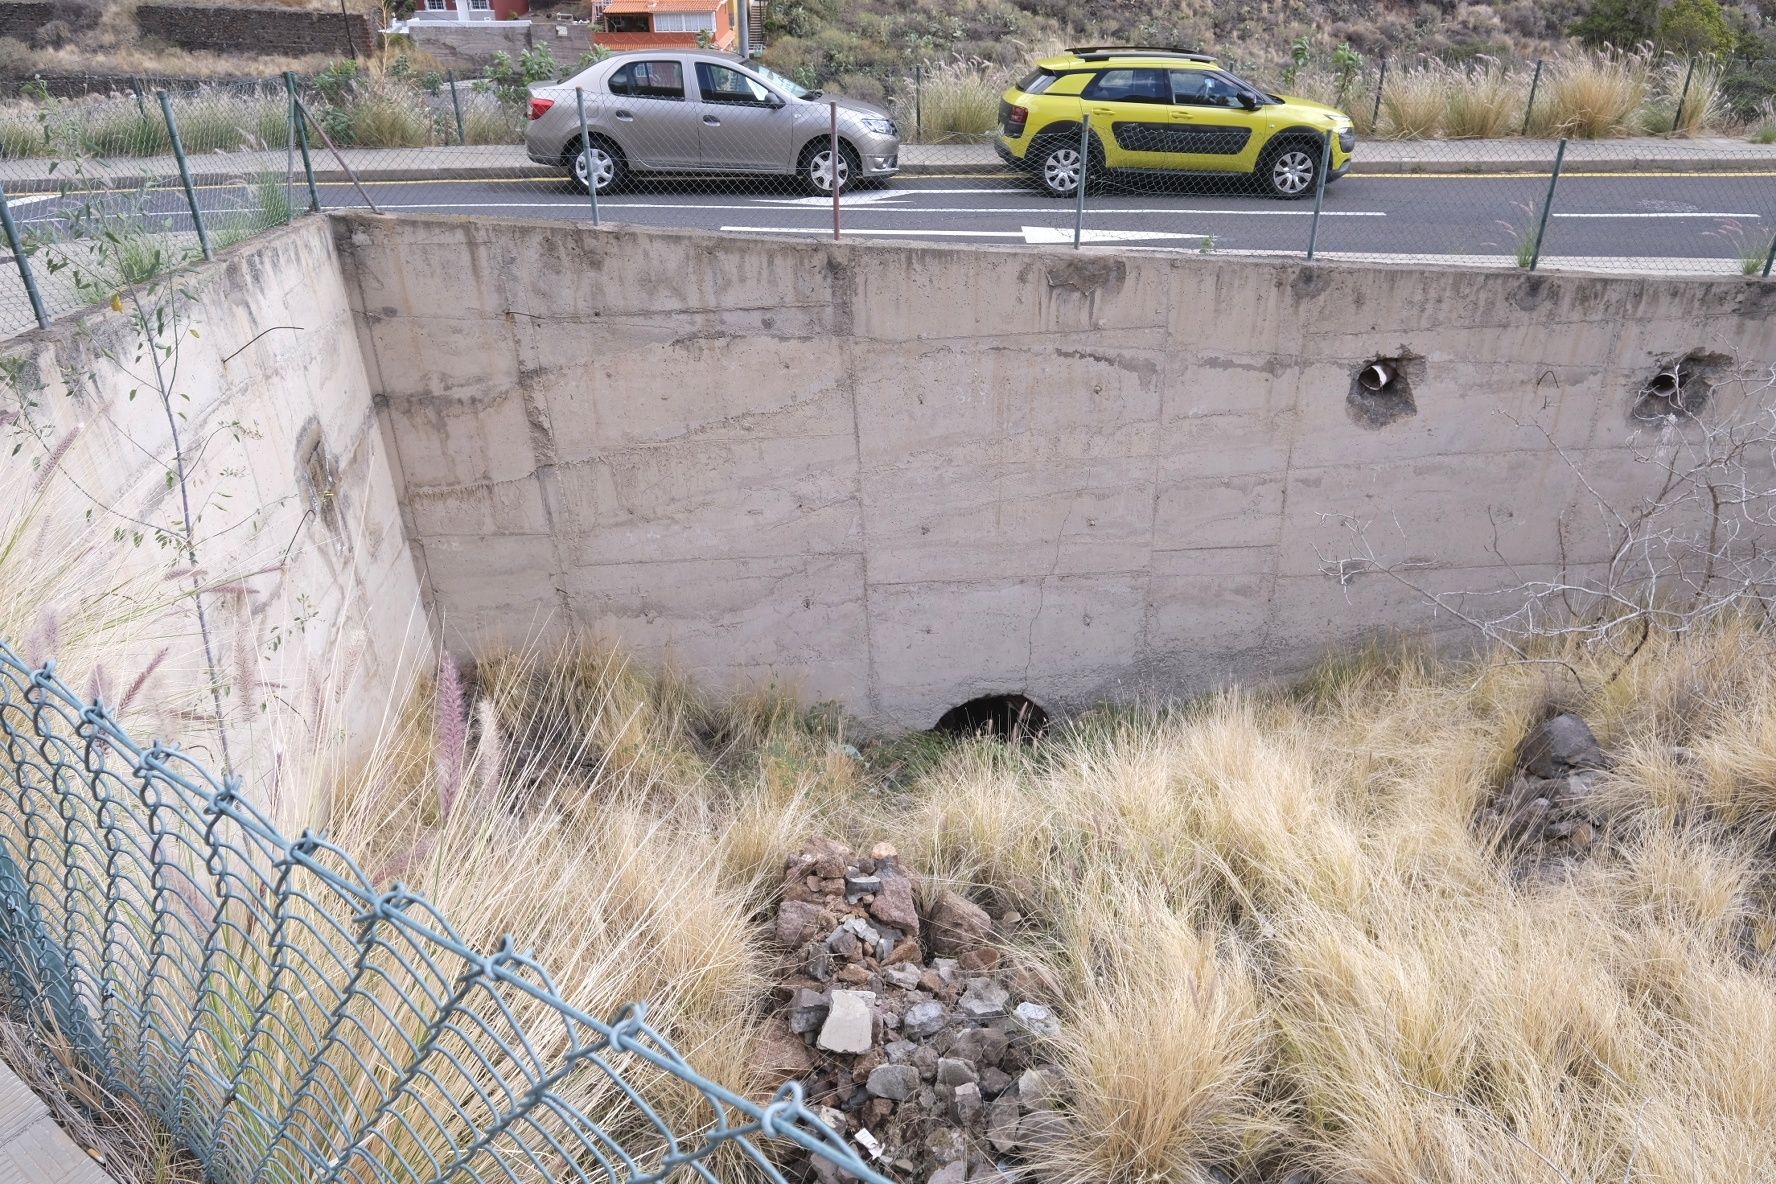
[(1290, 169), (604, 167), (816, 169), (1058, 166)]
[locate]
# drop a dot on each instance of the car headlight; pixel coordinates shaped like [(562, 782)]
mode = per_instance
[(882, 127)]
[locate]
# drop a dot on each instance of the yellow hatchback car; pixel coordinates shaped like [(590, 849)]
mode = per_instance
[(1154, 110)]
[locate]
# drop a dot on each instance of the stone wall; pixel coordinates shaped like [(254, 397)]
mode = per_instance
[(280, 32), (905, 476), (19, 19), (313, 615)]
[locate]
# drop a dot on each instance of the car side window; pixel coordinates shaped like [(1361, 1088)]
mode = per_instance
[(1199, 88), (649, 80), (1129, 86), (719, 84)]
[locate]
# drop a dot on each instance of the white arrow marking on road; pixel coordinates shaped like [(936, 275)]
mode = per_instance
[(849, 199), (1060, 234), (25, 201)]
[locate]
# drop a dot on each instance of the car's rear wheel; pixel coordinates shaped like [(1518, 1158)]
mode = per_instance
[(1290, 169), (605, 165), (1056, 164), (816, 168)]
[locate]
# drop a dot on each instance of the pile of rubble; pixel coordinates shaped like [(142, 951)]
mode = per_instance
[(911, 1036), (1546, 805)]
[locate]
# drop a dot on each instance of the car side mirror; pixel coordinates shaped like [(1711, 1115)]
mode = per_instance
[(775, 102), (1249, 102)]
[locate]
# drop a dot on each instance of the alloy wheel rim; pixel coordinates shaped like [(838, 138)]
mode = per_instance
[(602, 167), (820, 170), (1293, 172), (1061, 169)]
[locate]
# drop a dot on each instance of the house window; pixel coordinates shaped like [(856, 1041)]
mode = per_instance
[(437, 5), (481, 5), (684, 22)]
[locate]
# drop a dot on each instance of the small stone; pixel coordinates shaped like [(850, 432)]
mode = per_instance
[(1035, 1091), (929, 980), (955, 1071), (1559, 746), (883, 851), (950, 1173), (894, 903), (850, 1023), (807, 1010), (983, 1046), (1002, 1124), (903, 976), (1038, 1020), (984, 999), (1581, 836), (1040, 1130), (979, 960), (843, 943), (905, 950), (781, 1053), (853, 974), (866, 933), (923, 1019), (995, 1081), (947, 969), (899, 1051), (860, 884), (798, 922), (946, 1145), (831, 858), (820, 963), (831, 1118), (925, 1061), (959, 925), (965, 1104), (894, 1082)]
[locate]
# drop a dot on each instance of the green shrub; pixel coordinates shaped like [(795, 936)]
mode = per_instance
[(119, 129), (491, 123), (388, 120), (1692, 27), (22, 135)]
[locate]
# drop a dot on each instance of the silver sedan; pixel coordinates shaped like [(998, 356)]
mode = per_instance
[(697, 111)]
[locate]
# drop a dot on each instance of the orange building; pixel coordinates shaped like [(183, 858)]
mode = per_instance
[(665, 24)]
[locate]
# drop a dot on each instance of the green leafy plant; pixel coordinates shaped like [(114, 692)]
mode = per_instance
[(1300, 53), (1347, 63)]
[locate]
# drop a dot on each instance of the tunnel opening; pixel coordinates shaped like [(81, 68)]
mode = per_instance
[(1002, 717)]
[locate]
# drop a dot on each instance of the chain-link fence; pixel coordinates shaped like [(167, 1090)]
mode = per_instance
[(288, 1020), (1669, 164)]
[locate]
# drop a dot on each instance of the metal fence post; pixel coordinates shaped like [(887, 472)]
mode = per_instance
[(1313, 229), (462, 137), (1770, 258), (24, 263), (1683, 97), (1085, 123), (832, 162), (919, 101), (586, 151), (301, 125), (141, 107), (1535, 83), (1535, 256), (203, 235), (1380, 82)]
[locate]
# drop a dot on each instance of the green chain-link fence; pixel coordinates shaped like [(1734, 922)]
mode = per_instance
[(288, 1020)]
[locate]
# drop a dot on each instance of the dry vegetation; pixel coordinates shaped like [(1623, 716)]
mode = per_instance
[(1279, 938)]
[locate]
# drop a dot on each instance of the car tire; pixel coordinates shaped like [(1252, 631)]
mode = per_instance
[(1054, 164), (812, 169), (1289, 170), (607, 161)]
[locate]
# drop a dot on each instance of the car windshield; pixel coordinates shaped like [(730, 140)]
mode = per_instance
[(779, 81)]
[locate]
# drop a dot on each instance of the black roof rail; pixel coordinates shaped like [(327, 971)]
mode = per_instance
[(1098, 51)]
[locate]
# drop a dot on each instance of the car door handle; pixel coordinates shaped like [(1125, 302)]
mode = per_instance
[(625, 116), (712, 121)]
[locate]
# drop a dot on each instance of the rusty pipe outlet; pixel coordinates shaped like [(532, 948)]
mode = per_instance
[(1375, 376), (1665, 383)]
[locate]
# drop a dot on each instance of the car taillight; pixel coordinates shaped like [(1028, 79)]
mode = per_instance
[(1018, 115), (538, 106)]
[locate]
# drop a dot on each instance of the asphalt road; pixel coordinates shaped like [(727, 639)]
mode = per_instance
[(1700, 222)]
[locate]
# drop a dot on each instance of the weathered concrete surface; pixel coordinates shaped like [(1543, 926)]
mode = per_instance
[(33, 1149), (905, 476), (310, 590)]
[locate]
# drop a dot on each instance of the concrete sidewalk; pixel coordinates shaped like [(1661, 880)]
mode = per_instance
[(33, 1149), (496, 161)]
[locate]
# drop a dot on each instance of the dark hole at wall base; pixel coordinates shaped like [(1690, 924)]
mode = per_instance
[(1004, 717), (1679, 387)]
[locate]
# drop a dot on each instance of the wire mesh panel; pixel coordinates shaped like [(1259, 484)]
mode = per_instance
[(288, 1020)]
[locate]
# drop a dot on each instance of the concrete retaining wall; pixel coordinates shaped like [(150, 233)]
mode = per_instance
[(279, 32), (472, 44), (310, 589), (906, 476)]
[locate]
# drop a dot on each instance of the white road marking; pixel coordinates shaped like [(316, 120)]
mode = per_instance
[(1058, 234), (1698, 214), (853, 230), (25, 201), (869, 198)]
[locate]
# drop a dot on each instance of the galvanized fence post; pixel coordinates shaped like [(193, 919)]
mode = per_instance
[(301, 126), (832, 163), (1313, 229), (203, 235), (462, 136), (1770, 258), (586, 153), (1085, 123), (1683, 97), (141, 107), (1535, 83), (1380, 82), (1535, 256), (919, 102), (24, 262)]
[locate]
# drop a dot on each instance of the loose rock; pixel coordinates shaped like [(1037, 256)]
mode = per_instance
[(849, 1023), (984, 999), (799, 922), (894, 904), (923, 1019), (1037, 1020), (959, 925), (894, 1082), (1560, 746)]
